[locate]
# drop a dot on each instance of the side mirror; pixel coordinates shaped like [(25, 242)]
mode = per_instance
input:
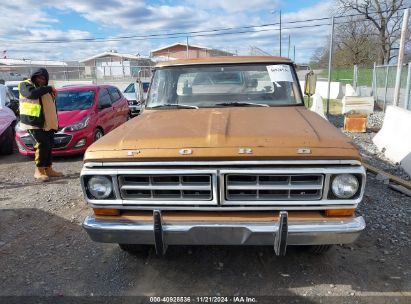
[(310, 83)]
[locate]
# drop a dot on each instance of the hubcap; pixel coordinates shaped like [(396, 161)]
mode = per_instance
[(98, 135)]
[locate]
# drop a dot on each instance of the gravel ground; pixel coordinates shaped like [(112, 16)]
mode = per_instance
[(369, 151), (45, 252)]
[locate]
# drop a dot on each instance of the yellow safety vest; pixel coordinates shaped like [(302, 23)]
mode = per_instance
[(30, 109)]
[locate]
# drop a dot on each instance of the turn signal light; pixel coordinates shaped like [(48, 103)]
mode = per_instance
[(106, 211), (340, 212)]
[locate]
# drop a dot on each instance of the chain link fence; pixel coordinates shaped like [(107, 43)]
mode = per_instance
[(384, 86), (116, 74), (382, 80)]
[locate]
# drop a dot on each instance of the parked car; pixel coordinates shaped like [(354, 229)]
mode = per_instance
[(136, 94), (13, 87), (224, 153), (7, 123), (12, 102), (85, 114)]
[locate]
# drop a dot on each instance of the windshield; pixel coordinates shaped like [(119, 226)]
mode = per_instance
[(130, 88), (225, 85), (75, 100)]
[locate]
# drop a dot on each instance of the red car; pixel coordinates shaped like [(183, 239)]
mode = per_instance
[(85, 114)]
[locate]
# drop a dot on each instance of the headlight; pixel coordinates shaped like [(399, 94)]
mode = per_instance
[(18, 129), (134, 102), (345, 186), (78, 125), (100, 187)]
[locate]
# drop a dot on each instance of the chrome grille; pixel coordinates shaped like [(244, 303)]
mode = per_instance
[(279, 186), (273, 187), (166, 187)]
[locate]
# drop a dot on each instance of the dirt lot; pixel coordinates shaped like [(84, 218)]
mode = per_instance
[(45, 252)]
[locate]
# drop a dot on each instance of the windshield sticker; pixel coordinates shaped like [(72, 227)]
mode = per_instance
[(280, 72)]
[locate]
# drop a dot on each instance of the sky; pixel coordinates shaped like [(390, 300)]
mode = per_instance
[(24, 20)]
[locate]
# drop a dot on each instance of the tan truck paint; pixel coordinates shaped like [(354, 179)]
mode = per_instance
[(218, 133)]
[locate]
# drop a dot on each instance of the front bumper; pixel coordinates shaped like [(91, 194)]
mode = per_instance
[(135, 109), (177, 232), (68, 149)]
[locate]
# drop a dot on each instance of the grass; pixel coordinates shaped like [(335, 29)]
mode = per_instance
[(335, 105), (346, 75)]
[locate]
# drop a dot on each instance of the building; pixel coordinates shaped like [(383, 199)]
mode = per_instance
[(17, 69), (111, 64), (179, 51)]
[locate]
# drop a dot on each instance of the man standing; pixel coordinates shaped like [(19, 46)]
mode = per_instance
[(38, 115)]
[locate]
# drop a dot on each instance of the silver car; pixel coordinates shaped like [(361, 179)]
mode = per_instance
[(136, 94)]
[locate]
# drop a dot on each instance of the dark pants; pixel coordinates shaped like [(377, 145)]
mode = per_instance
[(44, 144)]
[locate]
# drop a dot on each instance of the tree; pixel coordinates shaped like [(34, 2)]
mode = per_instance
[(354, 43), (385, 18), (319, 59)]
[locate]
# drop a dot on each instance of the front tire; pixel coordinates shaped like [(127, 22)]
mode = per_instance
[(98, 133), (8, 143), (318, 249), (135, 248)]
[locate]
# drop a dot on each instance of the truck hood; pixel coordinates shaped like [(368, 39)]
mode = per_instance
[(226, 129)]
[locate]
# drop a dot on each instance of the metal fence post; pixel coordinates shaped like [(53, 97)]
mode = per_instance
[(387, 70), (330, 61), (400, 58), (355, 77), (374, 81), (407, 101)]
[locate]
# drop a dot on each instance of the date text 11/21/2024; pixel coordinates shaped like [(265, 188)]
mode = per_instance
[(204, 299)]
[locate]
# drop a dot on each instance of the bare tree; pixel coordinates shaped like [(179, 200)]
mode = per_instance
[(384, 16), (355, 43), (320, 58)]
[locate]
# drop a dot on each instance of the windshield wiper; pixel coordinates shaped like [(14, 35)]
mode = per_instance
[(241, 104), (176, 105)]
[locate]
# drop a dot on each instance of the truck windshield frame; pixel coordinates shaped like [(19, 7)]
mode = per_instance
[(216, 85)]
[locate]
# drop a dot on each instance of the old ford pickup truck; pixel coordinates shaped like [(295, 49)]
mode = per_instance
[(224, 153)]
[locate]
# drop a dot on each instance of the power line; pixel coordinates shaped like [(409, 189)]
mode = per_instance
[(168, 36), (161, 35), (200, 33)]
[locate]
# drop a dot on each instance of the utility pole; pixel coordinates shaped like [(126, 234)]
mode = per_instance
[(280, 33), (401, 57), (274, 12), (289, 45), (330, 62), (294, 54), (407, 102)]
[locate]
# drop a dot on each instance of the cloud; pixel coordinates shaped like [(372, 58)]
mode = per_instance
[(52, 34), (17, 20), (235, 6), (21, 20)]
